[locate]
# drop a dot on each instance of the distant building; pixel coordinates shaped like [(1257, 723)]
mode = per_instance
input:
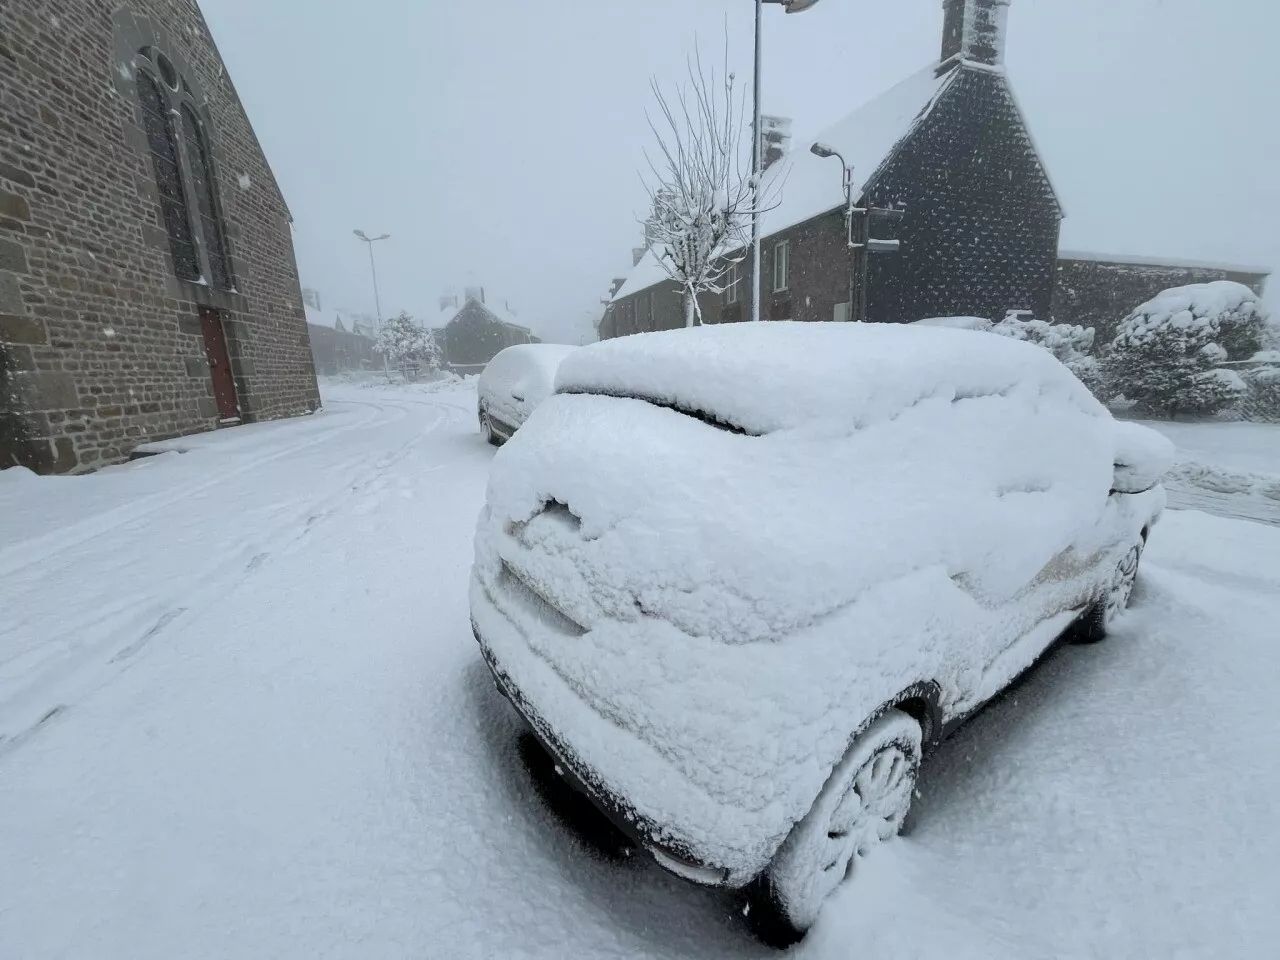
[(473, 333), (148, 286), (340, 344)]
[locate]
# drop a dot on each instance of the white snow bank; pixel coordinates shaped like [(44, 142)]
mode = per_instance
[(16, 475), (729, 607), (1142, 457), (766, 377)]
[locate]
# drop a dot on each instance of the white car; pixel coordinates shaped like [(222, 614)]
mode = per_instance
[(513, 384), (739, 579)]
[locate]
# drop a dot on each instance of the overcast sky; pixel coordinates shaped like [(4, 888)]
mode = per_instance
[(498, 141)]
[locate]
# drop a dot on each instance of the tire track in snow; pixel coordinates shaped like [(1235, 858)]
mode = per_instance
[(38, 549), (62, 671)]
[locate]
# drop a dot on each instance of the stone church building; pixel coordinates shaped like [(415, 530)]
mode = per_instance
[(148, 286)]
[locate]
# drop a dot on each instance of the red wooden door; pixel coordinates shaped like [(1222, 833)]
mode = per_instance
[(215, 348)]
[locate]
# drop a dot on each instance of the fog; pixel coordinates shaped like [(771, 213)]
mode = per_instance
[(499, 142)]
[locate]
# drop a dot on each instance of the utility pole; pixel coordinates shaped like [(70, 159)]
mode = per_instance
[(757, 148)]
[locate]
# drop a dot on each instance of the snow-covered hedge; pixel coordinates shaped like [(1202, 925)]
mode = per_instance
[(1071, 344), (1167, 353), (1262, 402)]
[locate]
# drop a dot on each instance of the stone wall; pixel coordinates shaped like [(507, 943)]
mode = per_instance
[(101, 341), (1099, 291)]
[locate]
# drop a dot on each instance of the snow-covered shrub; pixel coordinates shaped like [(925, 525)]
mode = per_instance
[(1167, 352), (1070, 343), (401, 341), (1262, 402)]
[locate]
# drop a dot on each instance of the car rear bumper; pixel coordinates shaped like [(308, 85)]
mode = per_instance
[(660, 839), (615, 808)]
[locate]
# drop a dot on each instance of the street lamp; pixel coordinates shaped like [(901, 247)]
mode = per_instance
[(826, 151), (757, 150), (377, 302)]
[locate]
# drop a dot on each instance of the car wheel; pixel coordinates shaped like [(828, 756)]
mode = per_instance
[(486, 430), (1096, 624), (863, 803)]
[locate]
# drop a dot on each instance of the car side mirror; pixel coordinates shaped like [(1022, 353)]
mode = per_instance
[(1142, 458)]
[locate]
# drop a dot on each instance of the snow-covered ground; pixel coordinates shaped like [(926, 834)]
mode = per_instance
[(244, 716), (1229, 469)]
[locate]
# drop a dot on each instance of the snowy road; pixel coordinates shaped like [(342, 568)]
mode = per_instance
[(268, 734)]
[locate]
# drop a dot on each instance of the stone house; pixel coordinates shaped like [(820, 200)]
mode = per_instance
[(341, 345), (148, 286), (963, 218), (472, 334), (955, 213)]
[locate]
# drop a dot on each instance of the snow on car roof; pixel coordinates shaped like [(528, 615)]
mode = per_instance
[(545, 357), (765, 377)]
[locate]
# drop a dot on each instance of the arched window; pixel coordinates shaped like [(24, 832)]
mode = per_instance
[(183, 167), (206, 201), (167, 166)]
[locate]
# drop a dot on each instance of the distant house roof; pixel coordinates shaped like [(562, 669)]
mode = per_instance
[(326, 318), (1089, 256), (808, 186), (499, 314)]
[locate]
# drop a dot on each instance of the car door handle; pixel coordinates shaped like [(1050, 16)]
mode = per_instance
[(518, 397)]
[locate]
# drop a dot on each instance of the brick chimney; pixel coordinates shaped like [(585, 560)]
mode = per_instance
[(974, 30)]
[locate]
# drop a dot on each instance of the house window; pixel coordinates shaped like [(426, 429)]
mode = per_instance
[(733, 285), (781, 266), (182, 164)]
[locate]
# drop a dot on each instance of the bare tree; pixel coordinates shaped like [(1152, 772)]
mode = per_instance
[(700, 186)]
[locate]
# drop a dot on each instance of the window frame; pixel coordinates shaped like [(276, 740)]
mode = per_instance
[(782, 256), (207, 229), (733, 289)]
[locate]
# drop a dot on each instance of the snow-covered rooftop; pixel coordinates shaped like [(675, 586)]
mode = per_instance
[(446, 315), (810, 185)]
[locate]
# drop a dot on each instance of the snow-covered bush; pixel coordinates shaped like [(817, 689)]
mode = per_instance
[(1166, 354), (1071, 344), (401, 341), (1262, 402)]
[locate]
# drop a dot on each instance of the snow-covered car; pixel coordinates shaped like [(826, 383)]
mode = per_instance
[(512, 385), (739, 579)]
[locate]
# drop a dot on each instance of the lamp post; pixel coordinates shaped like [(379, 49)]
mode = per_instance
[(377, 302), (823, 150), (757, 148)]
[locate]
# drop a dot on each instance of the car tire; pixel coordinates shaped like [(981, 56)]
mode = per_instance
[(486, 430), (864, 802), (1097, 622)]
